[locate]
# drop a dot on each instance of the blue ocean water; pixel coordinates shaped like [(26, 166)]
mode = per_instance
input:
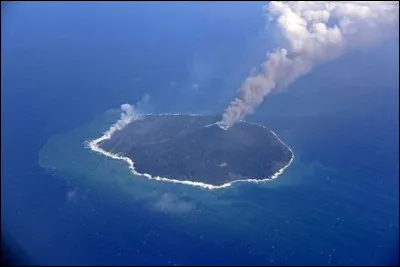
[(64, 64)]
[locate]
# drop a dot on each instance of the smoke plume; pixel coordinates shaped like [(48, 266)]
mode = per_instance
[(314, 32)]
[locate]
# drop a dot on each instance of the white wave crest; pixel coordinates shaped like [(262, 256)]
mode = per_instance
[(126, 119)]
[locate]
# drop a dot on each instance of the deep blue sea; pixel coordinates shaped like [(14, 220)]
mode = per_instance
[(64, 66)]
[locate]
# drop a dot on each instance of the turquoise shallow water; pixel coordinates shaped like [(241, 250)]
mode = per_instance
[(337, 201), (64, 67), (311, 210)]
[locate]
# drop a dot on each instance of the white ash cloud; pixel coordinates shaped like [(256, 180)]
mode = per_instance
[(314, 32)]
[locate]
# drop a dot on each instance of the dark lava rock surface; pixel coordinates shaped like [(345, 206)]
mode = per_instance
[(185, 147)]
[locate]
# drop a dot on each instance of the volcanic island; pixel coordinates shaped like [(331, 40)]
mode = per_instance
[(196, 150)]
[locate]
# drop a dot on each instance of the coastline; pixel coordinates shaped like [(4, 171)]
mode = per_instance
[(93, 145)]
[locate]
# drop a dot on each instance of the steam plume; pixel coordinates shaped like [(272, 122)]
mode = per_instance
[(314, 32), (129, 113)]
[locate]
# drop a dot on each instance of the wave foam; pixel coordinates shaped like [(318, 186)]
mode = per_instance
[(94, 146)]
